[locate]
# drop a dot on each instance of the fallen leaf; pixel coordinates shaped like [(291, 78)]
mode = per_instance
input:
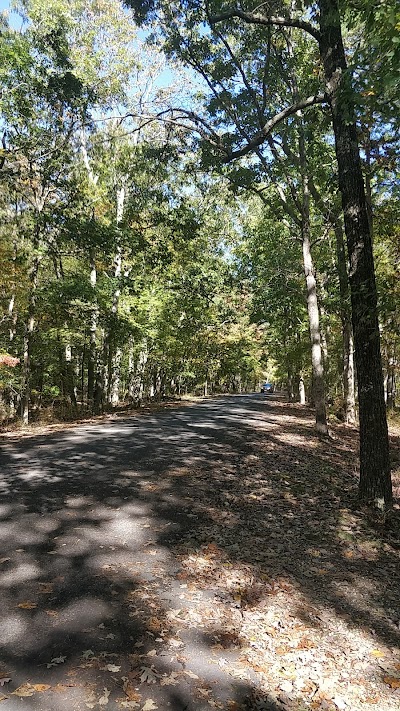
[(154, 624), (5, 680), (24, 690), (2, 697), (191, 674), (90, 700), (4, 560), (282, 650), (51, 613), (130, 691), (147, 675), (41, 687), (305, 644), (103, 700), (56, 660), (27, 605), (87, 654), (392, 682), (149, 705), (152, 653), (377, 653), (171, 680), (111, 668), (46, 588)]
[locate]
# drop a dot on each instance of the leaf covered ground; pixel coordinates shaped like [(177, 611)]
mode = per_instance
[(209, 557)]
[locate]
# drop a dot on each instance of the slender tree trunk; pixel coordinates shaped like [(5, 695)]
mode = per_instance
[(69, 376), (318, 384), (92, 375), (349, 399), (92, 354), (302, 391), (27, 345), (131, 370), (375, 482), (116, 352), (318, 377), (12, 313)]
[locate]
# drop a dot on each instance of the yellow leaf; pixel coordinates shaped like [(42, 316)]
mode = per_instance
[(377, 653), (27, 605), (24, 690), (46, 588), (41, 687)]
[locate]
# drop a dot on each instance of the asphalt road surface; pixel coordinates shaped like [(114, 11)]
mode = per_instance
[(90, 518)]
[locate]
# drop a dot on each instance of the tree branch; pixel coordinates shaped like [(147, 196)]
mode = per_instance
[(259, 139), (255, 18)]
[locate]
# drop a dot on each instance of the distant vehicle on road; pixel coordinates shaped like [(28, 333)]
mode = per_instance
[(267, 388)]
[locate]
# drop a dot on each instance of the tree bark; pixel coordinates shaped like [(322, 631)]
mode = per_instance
[(116, 352), (318, 383), (349, 399), (318, 377), (92, 355), (375, 482), (29, 329)]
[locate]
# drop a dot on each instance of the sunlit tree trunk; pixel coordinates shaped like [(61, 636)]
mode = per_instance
[(116, 352), (302, 391), (27, 343), (347, 330), (318, 378), (92, 353)]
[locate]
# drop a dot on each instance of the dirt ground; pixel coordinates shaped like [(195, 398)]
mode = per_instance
[(197, 557)]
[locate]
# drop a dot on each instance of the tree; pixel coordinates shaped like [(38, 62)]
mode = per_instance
[(197, 21)]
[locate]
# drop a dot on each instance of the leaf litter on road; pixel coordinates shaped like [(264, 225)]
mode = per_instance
[(275, 569)]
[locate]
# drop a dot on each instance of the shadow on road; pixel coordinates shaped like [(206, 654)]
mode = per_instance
[(182, 560)]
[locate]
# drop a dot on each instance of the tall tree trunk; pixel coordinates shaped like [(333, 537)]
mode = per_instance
[(375, 482), (69, 376), (318, 377), (116, 352), (92, 375), (349, 399), (29, 329), (318, 383), (302, 391), (92, 354)]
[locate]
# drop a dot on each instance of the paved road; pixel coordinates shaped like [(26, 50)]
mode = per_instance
[(90, 518)]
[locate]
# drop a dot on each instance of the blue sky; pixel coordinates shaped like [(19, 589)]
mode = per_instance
[(15, 20)]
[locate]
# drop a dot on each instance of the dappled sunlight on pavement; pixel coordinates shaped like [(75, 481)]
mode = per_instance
[(203, 558)]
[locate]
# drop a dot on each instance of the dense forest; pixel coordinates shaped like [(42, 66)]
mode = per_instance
[(196, 197)]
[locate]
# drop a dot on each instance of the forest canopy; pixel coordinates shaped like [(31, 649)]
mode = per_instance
[(198, 197)]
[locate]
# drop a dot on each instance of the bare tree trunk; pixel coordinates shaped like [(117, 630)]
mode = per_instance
[(29, 329), (318, 378), (318, 384), (302, 391), (375, 481), (70, 376), (349, 399), (115, 354), (92, 354)]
